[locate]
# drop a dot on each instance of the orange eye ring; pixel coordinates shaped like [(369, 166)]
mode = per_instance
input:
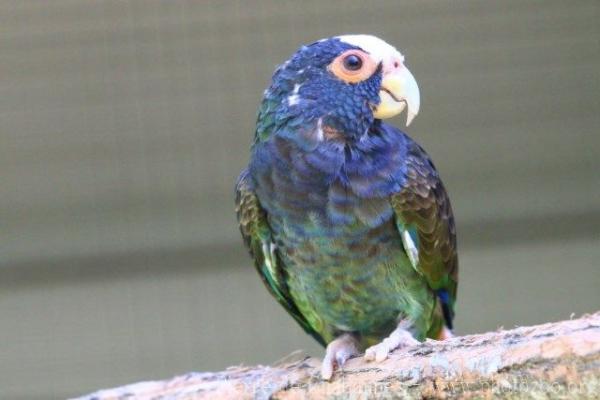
[(353, 66)]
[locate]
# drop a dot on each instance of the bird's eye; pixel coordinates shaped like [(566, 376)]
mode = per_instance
[(353, 66), (352, 62)]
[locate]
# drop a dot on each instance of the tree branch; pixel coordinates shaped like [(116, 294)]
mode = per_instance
[(557, 360)]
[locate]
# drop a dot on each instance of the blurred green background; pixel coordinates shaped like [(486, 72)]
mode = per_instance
[(124, 124)]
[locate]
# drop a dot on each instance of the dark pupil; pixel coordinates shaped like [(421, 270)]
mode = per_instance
[(352, 62)]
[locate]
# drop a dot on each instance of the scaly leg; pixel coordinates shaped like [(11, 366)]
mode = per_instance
[(400, 337), (337, 353)]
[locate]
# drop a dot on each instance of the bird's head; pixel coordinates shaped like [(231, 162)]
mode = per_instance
[(337, 87)]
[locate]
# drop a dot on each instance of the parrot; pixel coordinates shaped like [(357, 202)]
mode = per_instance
[(345, 216)]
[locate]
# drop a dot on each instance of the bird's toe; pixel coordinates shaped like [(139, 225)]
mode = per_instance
[(337, 353), (399, 338), (327, 368)]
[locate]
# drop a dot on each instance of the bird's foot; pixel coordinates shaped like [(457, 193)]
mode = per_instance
[(337, 353), (445, 333), (400, 337)]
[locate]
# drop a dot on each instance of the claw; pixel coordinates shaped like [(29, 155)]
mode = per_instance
[(337, 353)]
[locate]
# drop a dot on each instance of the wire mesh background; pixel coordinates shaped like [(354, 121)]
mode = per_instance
[(123, 125)]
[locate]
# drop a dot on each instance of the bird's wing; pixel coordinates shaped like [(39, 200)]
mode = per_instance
[(426, 225), (256, 233)]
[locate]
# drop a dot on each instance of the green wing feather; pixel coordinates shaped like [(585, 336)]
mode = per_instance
[(257, 237), (426, 224)]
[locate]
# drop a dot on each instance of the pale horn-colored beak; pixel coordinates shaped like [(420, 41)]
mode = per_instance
[(399, 90)]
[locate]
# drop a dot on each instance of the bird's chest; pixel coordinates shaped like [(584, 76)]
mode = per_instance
[(326, 193), (334, 229), (350, 274)]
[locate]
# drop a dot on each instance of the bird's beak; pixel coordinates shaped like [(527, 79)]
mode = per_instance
[(399, 90)]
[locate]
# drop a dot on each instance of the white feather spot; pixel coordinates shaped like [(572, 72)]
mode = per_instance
[(320, 134), (294, 98), (268, 250), (411, 249)]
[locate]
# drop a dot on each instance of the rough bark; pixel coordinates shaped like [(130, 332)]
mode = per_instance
[(554, 360)]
